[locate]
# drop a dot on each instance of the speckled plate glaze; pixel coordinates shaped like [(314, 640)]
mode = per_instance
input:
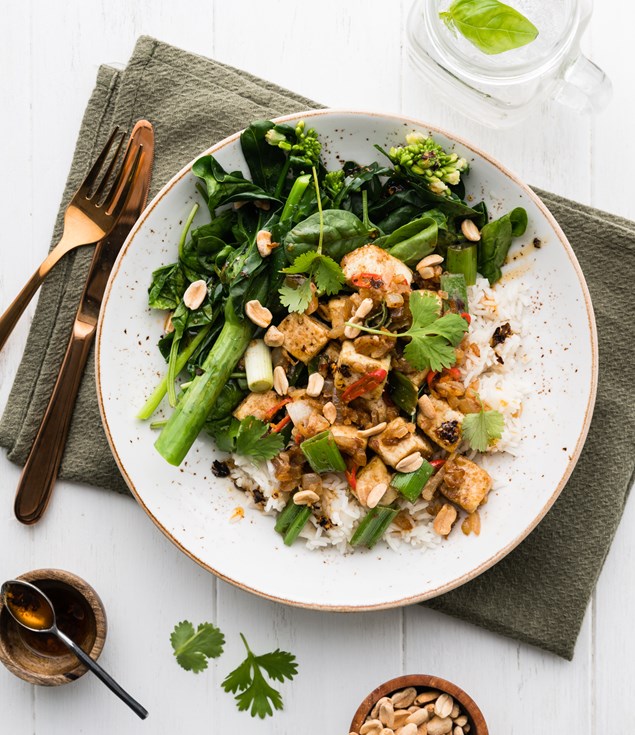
[(193, 508)]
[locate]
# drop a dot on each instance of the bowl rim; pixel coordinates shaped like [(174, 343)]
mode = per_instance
[(588, 412), (101, 628), (421, 680)]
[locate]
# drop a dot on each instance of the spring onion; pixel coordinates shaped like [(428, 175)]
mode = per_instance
[(462, 259), (291, 521), (151, 405), (411, 484), (322, 453), (258, 366), (453, 284), (403, 391), (373, 526)]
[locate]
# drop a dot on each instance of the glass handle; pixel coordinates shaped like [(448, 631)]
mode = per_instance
[(584, 87)]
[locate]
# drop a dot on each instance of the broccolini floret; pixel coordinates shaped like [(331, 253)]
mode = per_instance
[(305, 147), (423, 157), (334, 182)]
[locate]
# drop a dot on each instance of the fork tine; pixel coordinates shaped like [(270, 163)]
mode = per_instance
[(94, 171), (122, 197), (111, 167), (120, 178)]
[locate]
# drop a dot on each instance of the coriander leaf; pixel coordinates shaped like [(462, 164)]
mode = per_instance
[(296, 299), (253, 440), (430, 352), (249, 685), (450, 326), (239, 679), (482, 428), (302, 263), (425, 307), (328, 276), (278, 664), (192, 649)]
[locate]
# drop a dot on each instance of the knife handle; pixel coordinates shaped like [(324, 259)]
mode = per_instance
[(42, 465)]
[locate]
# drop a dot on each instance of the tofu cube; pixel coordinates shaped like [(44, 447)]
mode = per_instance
[(257, 404), (373, 259), (340, 310), (348, 439), (304, 336), (397, 441), (351, 365), (465, 483), (445, 427), (370, 476)]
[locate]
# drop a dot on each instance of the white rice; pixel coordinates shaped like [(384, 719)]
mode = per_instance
[(501, 385)]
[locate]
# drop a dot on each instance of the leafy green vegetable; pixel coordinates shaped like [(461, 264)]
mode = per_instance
[(413, 241), (432, 337), (482, 428), (490, 25), (343, 232), (496, 239), (247, 682), (303, 147), (322, 270), (193, 648), (253, 440), (265, 161)]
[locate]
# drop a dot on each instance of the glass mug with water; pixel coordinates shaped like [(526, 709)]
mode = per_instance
[(502, 89)]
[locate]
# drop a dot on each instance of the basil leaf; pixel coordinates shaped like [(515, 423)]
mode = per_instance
[(490, 25)]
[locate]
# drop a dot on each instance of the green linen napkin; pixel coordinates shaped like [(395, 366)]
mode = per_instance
[(539, 592)]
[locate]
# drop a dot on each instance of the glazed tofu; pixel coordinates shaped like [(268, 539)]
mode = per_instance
[(304, 336), (445, 427), (340, 311), (351, 365), (257, 404), (398, 440), (465, 483), (369, 477), (348, 439), (372, 259)]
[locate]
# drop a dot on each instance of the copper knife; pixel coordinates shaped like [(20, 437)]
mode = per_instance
[(42, 465)]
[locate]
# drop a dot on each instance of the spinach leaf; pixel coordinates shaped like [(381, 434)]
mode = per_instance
[(223, 187), (496, 239), (343, 232), (167, 287), (490, 25), (357, 178), (200, 253), (266, 162), (412, 242)]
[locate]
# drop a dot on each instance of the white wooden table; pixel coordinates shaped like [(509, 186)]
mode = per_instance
[(344, 53)]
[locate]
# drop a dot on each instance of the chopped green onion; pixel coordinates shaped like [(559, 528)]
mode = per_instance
[(403, 391), (258, 366), (322, 453), (411, 484), (454, 285), (158, 424), (462, 259), (373, 526), (292, 520)]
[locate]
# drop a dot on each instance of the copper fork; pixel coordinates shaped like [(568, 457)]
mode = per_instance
[(90, 216)]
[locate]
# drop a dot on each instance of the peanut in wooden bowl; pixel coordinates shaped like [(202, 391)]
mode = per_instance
[(17, 650), (420, 682)]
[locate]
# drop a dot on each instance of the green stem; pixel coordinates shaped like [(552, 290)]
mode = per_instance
[(370, 330), (185, 424), (319, 206), (295, 195), (151, 405), (282, 178), (186, 229)]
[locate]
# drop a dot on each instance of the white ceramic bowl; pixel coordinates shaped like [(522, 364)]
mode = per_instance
[(193, 508)]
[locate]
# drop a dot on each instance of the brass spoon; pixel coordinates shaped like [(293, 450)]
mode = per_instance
[(32, 609)]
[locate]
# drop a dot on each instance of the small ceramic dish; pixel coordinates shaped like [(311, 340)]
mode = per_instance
[(40, 658), (426, 683)]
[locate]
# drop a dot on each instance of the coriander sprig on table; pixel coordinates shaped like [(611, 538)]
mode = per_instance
[(193, 648)]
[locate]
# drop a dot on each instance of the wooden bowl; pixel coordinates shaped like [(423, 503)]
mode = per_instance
[(34, 657), (421, 682)]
